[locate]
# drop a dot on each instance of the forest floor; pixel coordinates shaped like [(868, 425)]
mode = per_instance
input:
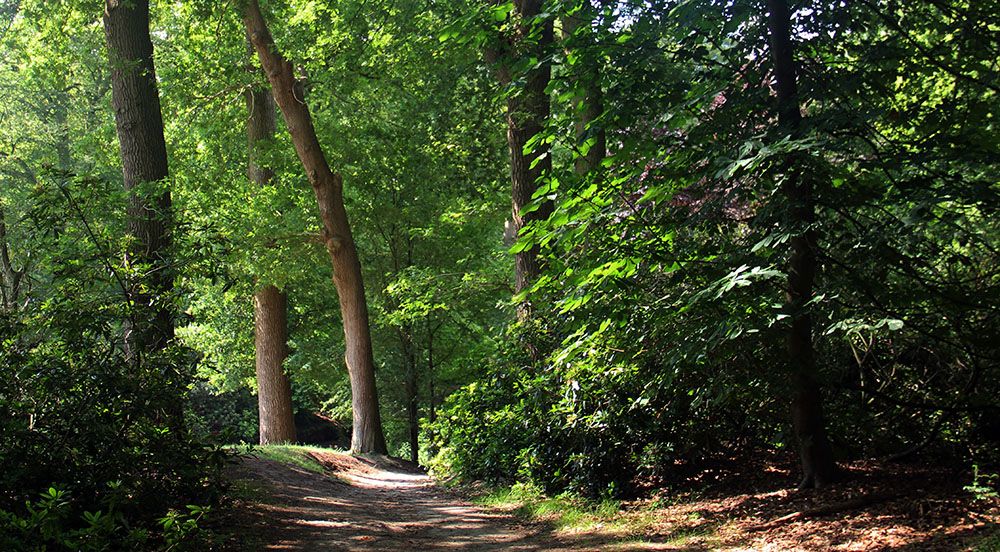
[(296, 498)]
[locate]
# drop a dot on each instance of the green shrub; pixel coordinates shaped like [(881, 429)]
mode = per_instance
[(583, 427), (102, 440)]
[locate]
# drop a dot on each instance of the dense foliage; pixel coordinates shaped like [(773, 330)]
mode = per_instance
[(93, 446), (653, 338), (666, 265)]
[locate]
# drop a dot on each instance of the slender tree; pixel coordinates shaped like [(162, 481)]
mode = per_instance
[(412, 396), (527, 113), (807, 409), (328, 187), (270, 304), (139, 123)]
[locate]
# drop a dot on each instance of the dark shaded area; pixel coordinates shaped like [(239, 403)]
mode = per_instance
[(879, 506), (317, 429)]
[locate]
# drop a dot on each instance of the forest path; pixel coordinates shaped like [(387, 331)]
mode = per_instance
[(361, 504), (321, 500)]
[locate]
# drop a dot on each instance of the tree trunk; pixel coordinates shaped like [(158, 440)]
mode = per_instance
[(431, 407), (527, 114), (10, 278), (260, 128), (807, 409), (432, 416), (367, 434), (412, 399), (274, 393), (270, 305), (144, 160), (588, 102)]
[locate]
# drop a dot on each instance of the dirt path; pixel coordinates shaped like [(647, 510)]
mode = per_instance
[(357, 504), (361, 506)]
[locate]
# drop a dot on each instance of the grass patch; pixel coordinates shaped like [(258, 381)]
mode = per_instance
[(293, 455), (565, 512), (632, 528)]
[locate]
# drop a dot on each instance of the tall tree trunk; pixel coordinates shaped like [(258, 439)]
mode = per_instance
[(270, 305), (274, 393), (367, 434), (431, 406), (816, 455), (10, 278), (412, 398), (144, 160), (527, 113), (588, 102)]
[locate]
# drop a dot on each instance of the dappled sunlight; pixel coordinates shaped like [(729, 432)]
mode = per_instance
[(358, 506)]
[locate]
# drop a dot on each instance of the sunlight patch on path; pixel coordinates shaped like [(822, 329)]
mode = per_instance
[(359, 506)]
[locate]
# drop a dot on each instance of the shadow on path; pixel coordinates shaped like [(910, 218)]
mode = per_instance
[(369, 508)]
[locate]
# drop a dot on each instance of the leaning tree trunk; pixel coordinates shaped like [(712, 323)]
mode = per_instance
[(527, 114), (144, 160), (270, 304), (367, 434), (588, 102), (807, 409)]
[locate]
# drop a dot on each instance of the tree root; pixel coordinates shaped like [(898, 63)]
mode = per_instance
[(827, 509)]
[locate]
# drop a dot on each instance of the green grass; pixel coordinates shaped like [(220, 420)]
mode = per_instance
[(564, 512), (629, 528), (293, 455)]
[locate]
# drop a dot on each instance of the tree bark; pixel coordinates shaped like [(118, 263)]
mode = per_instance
[(588, 102), (10, 278), (815, 452), (270, 305), (274, 393), (144, 160), (367, 436), (260, 128), (527, 113)]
